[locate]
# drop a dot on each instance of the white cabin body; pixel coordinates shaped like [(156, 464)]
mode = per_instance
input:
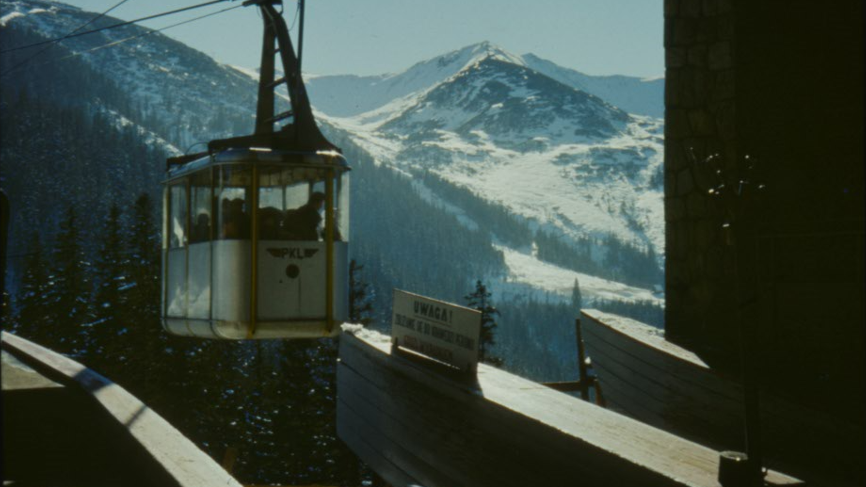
[(280, 271)]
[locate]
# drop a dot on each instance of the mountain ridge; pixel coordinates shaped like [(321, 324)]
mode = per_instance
[(590, 186), (351, 95)]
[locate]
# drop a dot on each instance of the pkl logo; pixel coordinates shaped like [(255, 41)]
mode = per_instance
[(292, 253)]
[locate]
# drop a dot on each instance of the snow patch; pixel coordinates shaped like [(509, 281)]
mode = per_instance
[(6, 18), (524, 268), (366, 334)]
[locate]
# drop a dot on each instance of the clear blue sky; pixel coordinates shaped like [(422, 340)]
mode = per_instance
[(382, 36)]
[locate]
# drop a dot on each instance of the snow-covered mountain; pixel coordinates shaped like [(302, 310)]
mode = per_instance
[(350, 95), (543, 143), (565, 160), (640, 96), (184, 91)]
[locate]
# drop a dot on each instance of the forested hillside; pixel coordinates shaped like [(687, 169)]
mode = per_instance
[(81, 158)]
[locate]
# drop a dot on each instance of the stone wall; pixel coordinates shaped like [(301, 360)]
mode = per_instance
[(700, 123), (780, 83)]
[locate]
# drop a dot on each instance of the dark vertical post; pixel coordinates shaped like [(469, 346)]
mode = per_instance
[(4, 231), (265, 107), (753, 412), (329, 250), (581, 362), (254, 249), (300, 37), (299, 83), (745, 262)]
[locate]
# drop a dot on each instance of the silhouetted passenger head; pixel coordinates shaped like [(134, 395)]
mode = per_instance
[(317, 199)]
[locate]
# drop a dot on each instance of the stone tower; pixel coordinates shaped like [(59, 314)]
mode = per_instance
[(776, 85)]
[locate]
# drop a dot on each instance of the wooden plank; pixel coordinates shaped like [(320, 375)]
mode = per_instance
[(655, 394), (667, 387), (445, 431), (503, 430), (403, 414), (682, 368), (181, 459), (369, 447), (17, 375)]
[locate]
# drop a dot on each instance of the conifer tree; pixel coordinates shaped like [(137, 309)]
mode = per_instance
[(144, 342), (69, 294), (480, 300), (32, 313), (109, 270), (360, 296), (109, 298), (6, 320), (142, 267), (576, 296)]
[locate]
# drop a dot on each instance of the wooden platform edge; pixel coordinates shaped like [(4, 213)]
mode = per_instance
[(179, 456), (576, 431), (637, 369)]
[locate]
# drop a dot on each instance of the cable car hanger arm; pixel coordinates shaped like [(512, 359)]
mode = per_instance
[(302, 133)]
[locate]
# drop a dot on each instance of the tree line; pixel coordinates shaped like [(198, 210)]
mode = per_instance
[(272, 402), (87, 270), (609, 257)]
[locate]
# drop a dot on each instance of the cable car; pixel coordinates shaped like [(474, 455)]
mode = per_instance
[(246, 253)]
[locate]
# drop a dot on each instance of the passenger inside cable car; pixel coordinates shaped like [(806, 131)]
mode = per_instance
[(267, 273), (245, 254)]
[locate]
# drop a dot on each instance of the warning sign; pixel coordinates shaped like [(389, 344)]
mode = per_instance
[(440, 330)]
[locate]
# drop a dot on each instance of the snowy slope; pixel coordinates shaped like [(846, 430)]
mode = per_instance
[(349, 95), (565, 160), (641, 96), (527, 274), (555, 155), (181, 88)]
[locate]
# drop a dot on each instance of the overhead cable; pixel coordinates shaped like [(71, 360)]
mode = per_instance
[(56, 41), (144, 34), (113, 26)]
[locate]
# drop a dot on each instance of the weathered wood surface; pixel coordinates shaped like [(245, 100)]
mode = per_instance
[(648, 378), (416, 424), (64, 424)]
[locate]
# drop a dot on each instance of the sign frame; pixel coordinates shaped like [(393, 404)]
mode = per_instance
[(435, 329)]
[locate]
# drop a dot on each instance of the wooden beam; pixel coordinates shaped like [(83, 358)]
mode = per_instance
[(166, 448), (567, 386), (414, 426), (666, 386)]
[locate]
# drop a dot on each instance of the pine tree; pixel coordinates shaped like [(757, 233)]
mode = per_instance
[(360, 296), (576, 297), (142, 267), (32, 313), (69, 294), (109, 298), (480, 300), (144, 342), (6, 319)]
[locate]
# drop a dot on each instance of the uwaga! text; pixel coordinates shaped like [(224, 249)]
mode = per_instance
[(433, 321)]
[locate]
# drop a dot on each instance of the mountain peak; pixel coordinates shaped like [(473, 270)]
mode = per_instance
[(513, 104), (467, 56), (488, 50)]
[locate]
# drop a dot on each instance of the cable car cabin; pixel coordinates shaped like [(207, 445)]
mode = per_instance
[(246, 253)]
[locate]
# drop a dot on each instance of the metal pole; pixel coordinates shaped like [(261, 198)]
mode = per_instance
[(299, 83), (4, 230), (300, 37), (265, 104), (581, 362), (254, 247), (329, 250)]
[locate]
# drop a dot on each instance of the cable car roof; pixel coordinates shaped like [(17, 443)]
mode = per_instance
[(322, 158)]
